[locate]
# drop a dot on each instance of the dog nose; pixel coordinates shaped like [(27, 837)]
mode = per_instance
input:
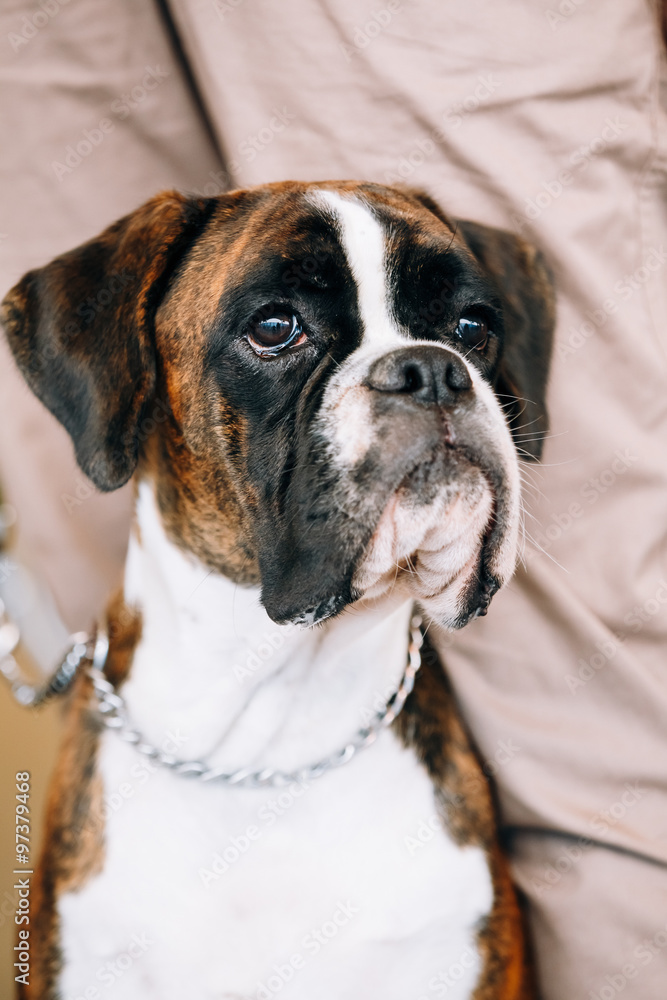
[(429, 375)]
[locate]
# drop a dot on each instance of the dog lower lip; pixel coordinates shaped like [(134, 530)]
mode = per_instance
[(489, 588), (326, 608), (486, 591), (489, 584)]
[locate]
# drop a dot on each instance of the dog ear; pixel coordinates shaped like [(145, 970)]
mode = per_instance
[(524, 285), (81, 330)]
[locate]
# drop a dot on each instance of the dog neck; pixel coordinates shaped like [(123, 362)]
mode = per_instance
[(215, 674)]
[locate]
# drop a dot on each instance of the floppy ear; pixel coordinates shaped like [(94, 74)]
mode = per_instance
[(525, 287), (81, 330)]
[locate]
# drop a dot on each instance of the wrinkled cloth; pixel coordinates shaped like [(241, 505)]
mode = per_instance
[(545, 118)]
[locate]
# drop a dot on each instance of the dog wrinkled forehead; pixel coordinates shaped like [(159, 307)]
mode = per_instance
[(400, 257)]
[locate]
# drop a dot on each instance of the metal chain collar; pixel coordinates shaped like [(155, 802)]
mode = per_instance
[(80, 649), (112, 709)]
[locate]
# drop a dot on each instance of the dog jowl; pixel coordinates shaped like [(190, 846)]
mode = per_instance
[(342, 367)]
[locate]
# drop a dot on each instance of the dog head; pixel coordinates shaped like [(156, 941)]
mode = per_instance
[(322, 380)]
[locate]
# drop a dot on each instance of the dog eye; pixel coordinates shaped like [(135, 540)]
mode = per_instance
[(473, 332), (274, 334)]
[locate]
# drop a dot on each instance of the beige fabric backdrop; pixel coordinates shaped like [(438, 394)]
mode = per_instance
[(544, 117), (61, 75)]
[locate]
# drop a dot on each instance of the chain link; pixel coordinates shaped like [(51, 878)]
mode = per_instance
[(80, 648), (112, 710)]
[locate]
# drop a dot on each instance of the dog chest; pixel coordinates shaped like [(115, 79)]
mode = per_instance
[(347, 886)]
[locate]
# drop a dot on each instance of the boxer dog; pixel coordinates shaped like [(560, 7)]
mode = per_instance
[(318, 389)]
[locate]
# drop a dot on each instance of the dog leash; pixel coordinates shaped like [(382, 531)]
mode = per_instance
[(112, 710)]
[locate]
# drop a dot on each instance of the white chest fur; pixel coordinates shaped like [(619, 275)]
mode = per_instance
[(346, 887)]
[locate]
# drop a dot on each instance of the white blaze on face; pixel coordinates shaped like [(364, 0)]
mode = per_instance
[(364, 242), (433, 547)]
